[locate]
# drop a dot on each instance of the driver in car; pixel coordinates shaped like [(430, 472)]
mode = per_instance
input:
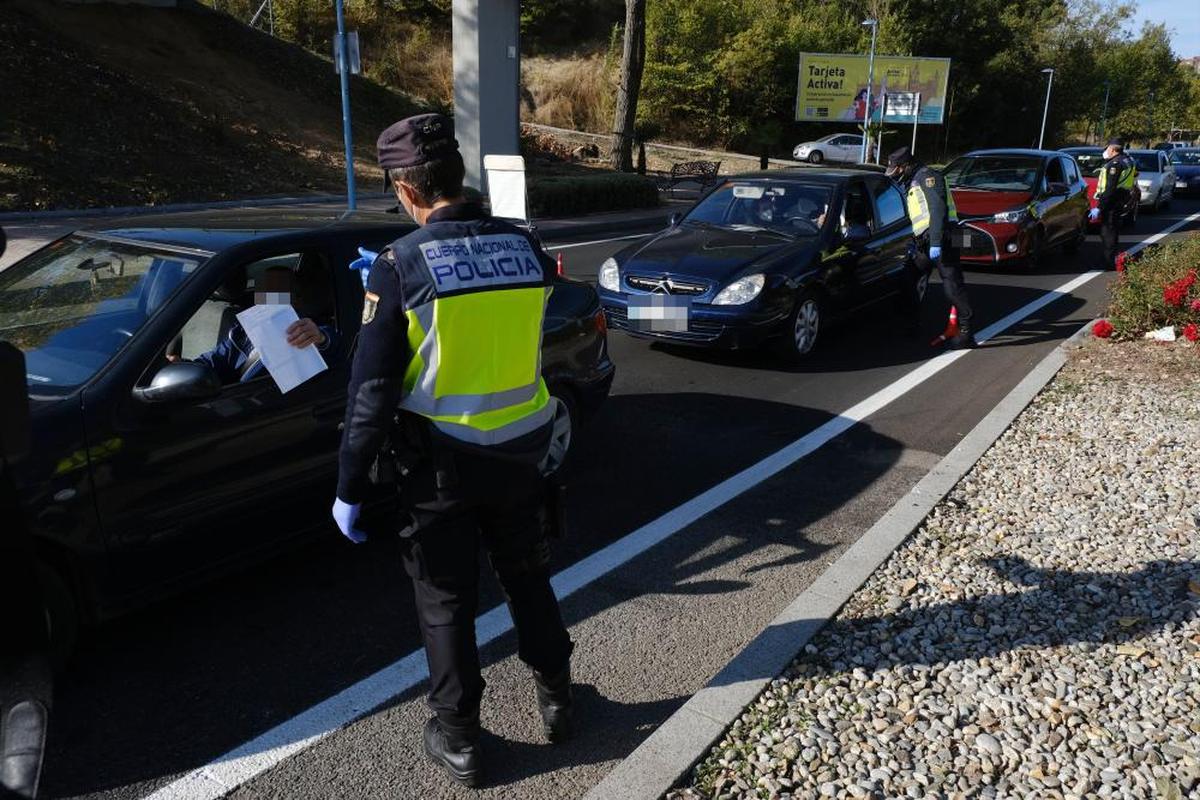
[(235, 359)]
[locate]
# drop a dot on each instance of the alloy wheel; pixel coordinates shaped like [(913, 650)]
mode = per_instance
[(807, 327)]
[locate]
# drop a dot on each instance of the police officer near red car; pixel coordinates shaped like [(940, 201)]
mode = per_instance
[(447, 383), (935, 223)]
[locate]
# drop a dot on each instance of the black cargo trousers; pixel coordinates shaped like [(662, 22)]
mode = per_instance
[(949, 270), (451, 506), (1111, 219)]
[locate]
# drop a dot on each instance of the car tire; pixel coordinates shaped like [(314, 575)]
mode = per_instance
[(62, 613), (566, 426), (816, 157), (802, 333)]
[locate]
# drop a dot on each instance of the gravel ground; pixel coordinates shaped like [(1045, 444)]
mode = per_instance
[(1037, 637)]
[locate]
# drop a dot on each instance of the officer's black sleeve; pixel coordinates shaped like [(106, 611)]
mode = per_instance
[(936, 202), (376, 379), (1105, 199)]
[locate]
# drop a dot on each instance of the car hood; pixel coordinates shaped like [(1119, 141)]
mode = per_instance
[(983, 204), (711, 254)]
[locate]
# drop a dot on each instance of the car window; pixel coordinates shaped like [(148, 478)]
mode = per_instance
[(304, 279), (889, 204), (1190, 158), (1054, 172), (1070, 171), (788, 207), (1090, 161), (71, 306), (858, 210)]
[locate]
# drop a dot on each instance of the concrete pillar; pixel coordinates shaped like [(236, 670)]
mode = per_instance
[(487, 74)]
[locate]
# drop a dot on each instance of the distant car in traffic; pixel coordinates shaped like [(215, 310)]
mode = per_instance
[(1155, 179), (1090, 160), (766, 258), (1017, 205), (1186, 162), (149, 473), (845, 147), (1169, 146)]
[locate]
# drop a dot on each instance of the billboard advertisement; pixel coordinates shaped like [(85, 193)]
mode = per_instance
[(833, 87)]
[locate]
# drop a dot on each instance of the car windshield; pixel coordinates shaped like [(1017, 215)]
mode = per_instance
[(73, 304), (1189, 158), (1146, 162), (1090, 161), (994, 173), (793, 209)]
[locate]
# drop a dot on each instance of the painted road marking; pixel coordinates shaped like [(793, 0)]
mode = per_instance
[(258, 755)]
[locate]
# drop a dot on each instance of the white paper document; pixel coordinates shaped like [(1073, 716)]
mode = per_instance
[(267, 325)]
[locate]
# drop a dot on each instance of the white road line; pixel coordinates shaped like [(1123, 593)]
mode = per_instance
[(256, 756), (598, 241)]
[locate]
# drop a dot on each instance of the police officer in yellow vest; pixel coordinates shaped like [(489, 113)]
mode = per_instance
[(935, 221), (1114, 186), (450, 347)]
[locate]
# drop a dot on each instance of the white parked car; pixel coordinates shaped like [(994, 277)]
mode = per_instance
[(1156, 177), (836, 147)]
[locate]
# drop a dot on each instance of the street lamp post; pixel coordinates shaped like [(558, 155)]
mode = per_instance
[(1150, 121), (1104, 113), (344, 76), (1046, 110), (862, 157)]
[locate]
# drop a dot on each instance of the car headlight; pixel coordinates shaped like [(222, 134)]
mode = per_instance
[(741, 291), (1013, 215), (1143, 184), (610, 275)]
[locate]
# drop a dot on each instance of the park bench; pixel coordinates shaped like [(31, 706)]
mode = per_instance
[(702, 172)]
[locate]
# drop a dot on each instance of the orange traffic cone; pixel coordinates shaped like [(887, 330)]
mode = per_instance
[(560, 268), (951, 329)]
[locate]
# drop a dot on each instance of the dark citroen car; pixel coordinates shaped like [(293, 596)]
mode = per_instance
[(1017, 205), (765, 257), (1187, 170), (148, 473)]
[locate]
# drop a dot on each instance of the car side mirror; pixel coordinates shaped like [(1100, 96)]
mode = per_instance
[(1057, 189), (674, 219), (183, 380), (856, 234)]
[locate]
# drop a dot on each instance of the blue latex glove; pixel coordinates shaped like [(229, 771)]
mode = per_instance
[(363, 263), (1094, 214), (345, 515), (935, 252)]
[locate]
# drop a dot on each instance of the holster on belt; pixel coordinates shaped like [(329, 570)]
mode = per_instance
[(401, 453)]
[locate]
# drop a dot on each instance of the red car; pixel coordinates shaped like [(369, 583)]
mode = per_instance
[(1090, 159), (1017, 205)]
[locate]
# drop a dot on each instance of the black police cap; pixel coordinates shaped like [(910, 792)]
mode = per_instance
[(900, 157), (1114, 142), (415, 141)]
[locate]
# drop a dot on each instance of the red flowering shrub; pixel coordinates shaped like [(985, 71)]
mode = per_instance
[(1191, 332), (1102, 329), (1122, 257), (1159, 288)]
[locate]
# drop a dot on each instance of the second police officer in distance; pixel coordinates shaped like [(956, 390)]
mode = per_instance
[(1114, 187), (934, 220), (451, 336)]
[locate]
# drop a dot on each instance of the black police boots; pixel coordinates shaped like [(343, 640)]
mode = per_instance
[(555, 704), (457, 752)]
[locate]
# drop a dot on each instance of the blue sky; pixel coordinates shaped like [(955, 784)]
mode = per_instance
[(1181, 16)]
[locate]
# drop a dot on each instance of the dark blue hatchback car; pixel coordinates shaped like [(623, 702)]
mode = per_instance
[(767, 257)]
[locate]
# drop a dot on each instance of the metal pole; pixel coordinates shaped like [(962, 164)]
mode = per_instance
[(1046, 110), (271, 15), (916, 116), (862, 158), (1150, 122), (1104, 113), (344, 74)]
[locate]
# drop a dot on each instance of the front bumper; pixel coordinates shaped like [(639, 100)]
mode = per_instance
[(718, 327), (993, 242)]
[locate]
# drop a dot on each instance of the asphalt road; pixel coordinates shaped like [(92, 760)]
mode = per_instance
[(157, 695)]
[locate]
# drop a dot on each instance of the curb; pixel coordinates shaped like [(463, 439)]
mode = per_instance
[(666, 756)]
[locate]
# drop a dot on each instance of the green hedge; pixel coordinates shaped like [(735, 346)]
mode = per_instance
[(562, 196)]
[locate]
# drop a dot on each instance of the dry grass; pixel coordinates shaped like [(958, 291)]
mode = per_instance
[(576, 93), (418, 59)]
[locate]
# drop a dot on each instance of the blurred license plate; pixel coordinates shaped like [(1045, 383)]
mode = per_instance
[(1180, 185), (659, 313)]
